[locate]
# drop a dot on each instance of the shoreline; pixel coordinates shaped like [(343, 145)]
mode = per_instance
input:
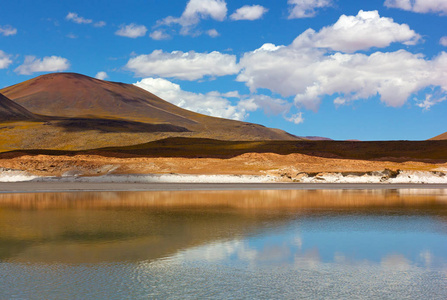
[(53, 187)]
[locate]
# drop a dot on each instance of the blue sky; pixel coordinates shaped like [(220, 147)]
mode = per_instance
[(344, 69)]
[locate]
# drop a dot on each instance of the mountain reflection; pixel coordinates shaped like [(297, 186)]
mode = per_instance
[(142, 226)]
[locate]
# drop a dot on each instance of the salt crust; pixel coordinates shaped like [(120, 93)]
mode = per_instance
[(402, 177)]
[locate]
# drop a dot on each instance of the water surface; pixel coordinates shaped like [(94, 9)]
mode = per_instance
[(332, 244)]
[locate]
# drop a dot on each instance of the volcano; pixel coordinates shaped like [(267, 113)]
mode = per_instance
[(69, 111), (71, 95)]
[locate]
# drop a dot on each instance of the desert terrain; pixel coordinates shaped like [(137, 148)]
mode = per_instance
[(286, 161)]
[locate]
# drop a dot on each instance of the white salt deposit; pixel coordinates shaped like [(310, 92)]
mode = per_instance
[(161, 178), (402, 177), (419, 177), (7, 175), (377, 177)]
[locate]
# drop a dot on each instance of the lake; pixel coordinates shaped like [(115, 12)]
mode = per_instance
[(271, 244)]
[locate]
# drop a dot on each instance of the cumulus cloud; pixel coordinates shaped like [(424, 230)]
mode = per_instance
[(306, 8), (183, 65), (212, 33), (214, 103), (315, 65), (249, 12), (47, 64), (74, 17), (132, 30), (5, 60), (309, 74), (361, 32), (309, 69), (159, 35), (101, 75), (7, 30), (195, 11), (419, 6), (443, 41)]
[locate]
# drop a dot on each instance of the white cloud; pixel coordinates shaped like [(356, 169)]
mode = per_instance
[(248, 12), (46, 64), (74, 17), (307, 70), (5, 60), (306, 8), (419, 6), (308, 74), (430, 100), (271, 106), (212, 104), (402, 4), (159, 35), (296, 118), (212, 33), (361, 32), (101, 75), (195, 11), (7, 30), (100, 24), (443, 41), (132, 30), (183, 65)]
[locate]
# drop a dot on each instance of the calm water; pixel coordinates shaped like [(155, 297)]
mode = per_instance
[(231, 244)]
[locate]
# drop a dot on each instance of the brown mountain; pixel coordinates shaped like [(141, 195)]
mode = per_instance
[(11, 111), (442, 136), (86, 113), (78, 96)]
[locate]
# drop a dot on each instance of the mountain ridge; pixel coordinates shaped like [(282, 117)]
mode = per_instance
[(11, 111)]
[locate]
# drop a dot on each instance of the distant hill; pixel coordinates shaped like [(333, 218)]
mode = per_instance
[(317, 138), (442, 136), (84, 113), (11, 111)]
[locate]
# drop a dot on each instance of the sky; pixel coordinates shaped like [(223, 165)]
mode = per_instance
[(343, 69)]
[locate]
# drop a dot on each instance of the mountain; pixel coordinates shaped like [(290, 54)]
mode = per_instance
[(78, 96), (442, 136), (11, 111), (84, 113)]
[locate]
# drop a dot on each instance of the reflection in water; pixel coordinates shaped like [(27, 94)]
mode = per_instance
[(221, 244)]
